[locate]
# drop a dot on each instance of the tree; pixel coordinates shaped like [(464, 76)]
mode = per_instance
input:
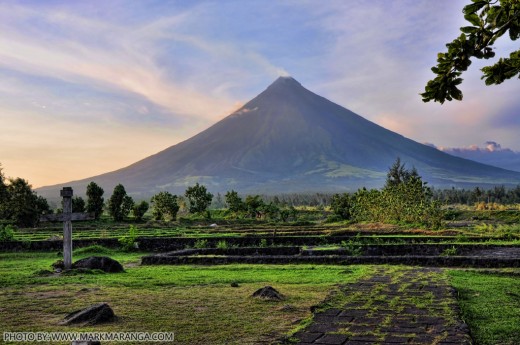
[(398, 174), (341, 205), (22, 205), (42, 205), (165, 206), (78, 204), (127, 206), (489, 21), (139, 210), (4, 195), (119, 204), (95, 200), (254, 206), (234, 202), (199, 198)]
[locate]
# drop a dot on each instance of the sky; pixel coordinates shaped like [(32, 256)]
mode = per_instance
[(88, 87)]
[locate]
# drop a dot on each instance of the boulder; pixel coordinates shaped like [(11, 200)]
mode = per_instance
[(97, 313), (268, 292), (103, 263)]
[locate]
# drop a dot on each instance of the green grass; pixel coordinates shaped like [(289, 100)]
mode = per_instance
[(197, 303), (200, 306), (490, 305)]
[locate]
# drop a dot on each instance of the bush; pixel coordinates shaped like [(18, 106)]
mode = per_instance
[(201, 244), (222, 245), (404, 200), (341, 205), (129, 242), (6, 233)]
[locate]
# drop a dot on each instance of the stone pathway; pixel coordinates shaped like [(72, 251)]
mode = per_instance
[(397, 305)]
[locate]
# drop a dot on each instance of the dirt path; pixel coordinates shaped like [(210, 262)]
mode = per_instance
[(397, 305)]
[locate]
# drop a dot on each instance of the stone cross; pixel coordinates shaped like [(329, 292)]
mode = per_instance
[(67, 217)]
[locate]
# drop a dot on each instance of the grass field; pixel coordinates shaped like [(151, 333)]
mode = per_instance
[(200, 306), (490, 304)]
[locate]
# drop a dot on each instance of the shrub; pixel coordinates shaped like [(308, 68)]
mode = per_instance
[(129, 241), (6, 233), (449, 251), (222, 245), (405, 199), (201, 244), (353, 248), (341, 205)]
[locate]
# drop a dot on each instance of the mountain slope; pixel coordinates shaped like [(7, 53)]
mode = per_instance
[(288, 139)]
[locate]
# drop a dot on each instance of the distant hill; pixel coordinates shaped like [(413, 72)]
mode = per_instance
[(288, 139)]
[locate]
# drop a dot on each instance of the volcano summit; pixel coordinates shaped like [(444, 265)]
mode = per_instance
[(288, 139)]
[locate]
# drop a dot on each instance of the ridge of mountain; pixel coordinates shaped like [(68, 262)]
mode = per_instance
[(288, 139)]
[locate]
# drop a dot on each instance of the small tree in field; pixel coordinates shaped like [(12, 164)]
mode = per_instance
[(234, 202), (4, 195), (254, 205), (95, 200), (139, 210), (198, 197), (120, 204), (78, 204), (22, 205), (165, 206)]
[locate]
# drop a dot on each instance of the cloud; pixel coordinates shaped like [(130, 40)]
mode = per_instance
[(491, 153), (121, 62), (126, 58), (165, 71)]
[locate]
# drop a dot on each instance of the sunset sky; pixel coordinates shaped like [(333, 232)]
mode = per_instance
[(87, 87)]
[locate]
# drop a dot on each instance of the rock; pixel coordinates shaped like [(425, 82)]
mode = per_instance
[(58, 265), (268, 292), (235, 284), (97, 313), (103, 263)]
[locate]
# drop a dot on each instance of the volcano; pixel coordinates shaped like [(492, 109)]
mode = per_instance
[(290, 140)]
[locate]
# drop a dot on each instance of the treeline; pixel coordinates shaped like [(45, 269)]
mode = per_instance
[(404, 198), (120, 205), (498, 194)]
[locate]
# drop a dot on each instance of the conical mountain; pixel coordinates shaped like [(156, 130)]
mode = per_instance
[(288, 139)]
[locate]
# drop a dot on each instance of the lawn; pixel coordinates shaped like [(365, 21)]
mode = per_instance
[(490, 303), (198, 304)]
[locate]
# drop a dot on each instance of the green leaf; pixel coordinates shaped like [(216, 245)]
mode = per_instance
[(514, 31), (469, 29), (473, 19), (473, 8)]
